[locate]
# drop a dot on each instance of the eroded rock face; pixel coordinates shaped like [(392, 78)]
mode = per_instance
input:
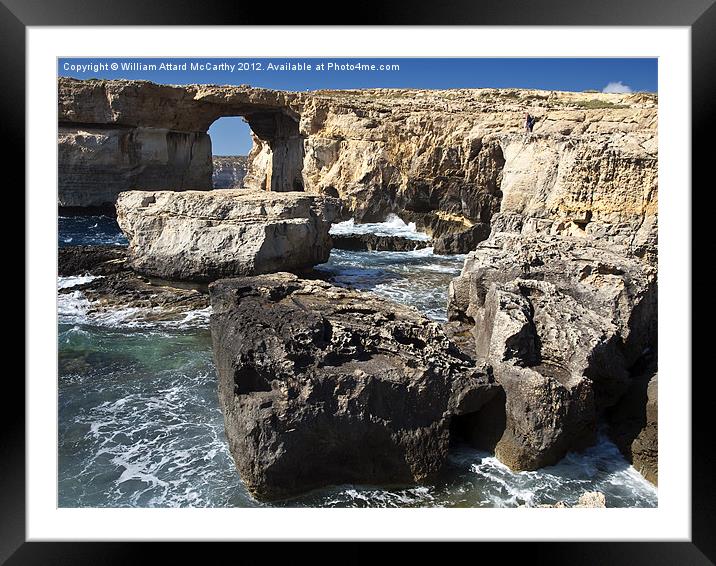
[(448, 160), (645, 449), (229, 172), (203, 236), (561, 320), (95, 164), (321, 385), (633, 425), (621, 289), (451, 159), (121, 135)]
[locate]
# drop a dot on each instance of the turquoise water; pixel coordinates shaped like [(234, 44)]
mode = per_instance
[(139, 423)]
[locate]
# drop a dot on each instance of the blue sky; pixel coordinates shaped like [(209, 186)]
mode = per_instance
[(230, 136)]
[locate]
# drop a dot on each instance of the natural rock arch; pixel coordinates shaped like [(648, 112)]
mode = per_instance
[(116, 136), (455, 162)]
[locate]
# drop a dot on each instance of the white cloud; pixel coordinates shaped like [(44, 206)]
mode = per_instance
[(617, 88)]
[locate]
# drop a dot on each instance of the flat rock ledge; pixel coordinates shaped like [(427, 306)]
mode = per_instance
[(321, 385), (206, 235)]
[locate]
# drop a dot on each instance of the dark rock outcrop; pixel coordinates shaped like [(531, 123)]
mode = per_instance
[(645, 448), (633, 425), (321, 385), (116, 286), (377, 243), (463, 241), (561, 321), (97, 260)]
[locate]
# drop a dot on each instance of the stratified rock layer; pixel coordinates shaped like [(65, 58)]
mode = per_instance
[(203, 236), (321, 385)]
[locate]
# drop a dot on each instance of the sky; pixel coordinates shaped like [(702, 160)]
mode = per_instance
[(230, 136)]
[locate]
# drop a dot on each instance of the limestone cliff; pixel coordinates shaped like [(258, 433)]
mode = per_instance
[(448, 160), (229, 171)]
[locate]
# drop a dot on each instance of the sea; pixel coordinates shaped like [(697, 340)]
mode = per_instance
[(140, 425)]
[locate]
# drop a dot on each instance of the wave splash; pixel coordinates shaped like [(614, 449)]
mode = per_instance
[(392, 226), (74, 308)]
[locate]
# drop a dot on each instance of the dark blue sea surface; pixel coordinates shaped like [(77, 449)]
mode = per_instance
[(140, 425), (89, 231)]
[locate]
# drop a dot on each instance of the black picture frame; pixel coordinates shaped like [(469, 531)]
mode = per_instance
[(699, 15)]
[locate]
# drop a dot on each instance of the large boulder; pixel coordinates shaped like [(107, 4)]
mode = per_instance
[(322, 385), (206, 235), (546, 417), (620, 288), (561, 320)]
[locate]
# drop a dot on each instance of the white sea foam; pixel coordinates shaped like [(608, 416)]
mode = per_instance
[(66, 282), (163, 449), (599, 468), (478, 479), (392, 226), (74, 308)]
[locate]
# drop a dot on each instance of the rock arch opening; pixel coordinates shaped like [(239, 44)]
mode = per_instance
[(230, 136), (231, 142), (275, 152)]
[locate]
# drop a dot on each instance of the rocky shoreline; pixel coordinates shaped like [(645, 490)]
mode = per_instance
[(551, 324), (115, 285)]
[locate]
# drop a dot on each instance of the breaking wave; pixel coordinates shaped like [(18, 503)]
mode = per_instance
[(392, 226)]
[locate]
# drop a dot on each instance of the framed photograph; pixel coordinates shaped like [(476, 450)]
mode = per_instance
[(402, 282)]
